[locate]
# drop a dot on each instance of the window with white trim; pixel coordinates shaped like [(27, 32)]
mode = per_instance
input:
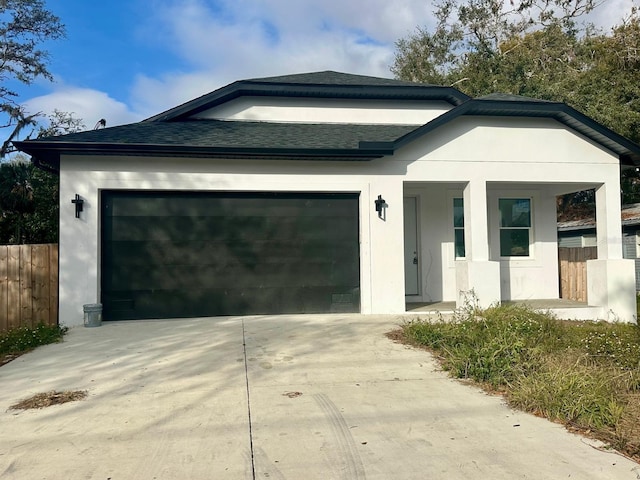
[(515, 226), (458, 228)]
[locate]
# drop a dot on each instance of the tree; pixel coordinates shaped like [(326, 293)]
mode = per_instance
[(24, 26), (29, 199), (535, 48), (475, 36), (16, 200)]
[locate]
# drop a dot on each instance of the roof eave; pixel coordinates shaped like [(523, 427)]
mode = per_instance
[(46, 155), (576, 228)]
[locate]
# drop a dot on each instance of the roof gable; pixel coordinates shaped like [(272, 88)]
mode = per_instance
[(514, 106), (327, 84)]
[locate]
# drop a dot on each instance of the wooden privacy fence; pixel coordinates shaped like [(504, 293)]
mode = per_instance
[(573, 271), (28, 285)]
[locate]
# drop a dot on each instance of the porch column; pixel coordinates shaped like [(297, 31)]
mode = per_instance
[(610, 278), (477, 278), (386, 244)]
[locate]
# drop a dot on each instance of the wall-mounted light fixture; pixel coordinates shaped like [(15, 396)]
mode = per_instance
[(381, 204), (78, 202)]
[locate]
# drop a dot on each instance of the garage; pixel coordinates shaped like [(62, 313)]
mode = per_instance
[(167, 254)]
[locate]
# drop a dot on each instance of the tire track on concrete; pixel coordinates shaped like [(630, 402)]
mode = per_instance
[(246, 376), (347, 448), (265, 467)]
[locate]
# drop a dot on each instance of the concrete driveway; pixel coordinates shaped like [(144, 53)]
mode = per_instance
[(277, 397)]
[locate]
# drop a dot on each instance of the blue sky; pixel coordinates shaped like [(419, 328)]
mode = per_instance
[(125, 60)]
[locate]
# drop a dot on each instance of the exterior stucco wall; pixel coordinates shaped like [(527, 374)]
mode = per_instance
[(381, 247), (536, 276), (513, 157), (435, 235), (511, 140)]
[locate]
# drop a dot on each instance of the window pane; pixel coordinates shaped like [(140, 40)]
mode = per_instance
[(458, 213), (515, 212), (459, 243), (514, 242)]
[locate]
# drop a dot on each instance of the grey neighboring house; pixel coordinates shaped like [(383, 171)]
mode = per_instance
[(582, 233)]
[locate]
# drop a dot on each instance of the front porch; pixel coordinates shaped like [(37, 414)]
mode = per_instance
[(498, 242)]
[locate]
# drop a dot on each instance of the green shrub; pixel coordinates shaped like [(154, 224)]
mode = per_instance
[(26, 338)]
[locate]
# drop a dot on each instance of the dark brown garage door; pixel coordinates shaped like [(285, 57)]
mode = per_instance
[(186, 254)]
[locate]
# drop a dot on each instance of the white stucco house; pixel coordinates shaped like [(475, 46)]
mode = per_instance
[(330, 192)]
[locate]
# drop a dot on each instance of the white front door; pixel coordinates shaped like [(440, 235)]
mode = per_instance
[(411, 264)]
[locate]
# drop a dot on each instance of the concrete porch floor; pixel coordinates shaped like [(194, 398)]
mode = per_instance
[(561, 307)]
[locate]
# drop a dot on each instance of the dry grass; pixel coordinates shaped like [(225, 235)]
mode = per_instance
[(626, 436), (47, 399)]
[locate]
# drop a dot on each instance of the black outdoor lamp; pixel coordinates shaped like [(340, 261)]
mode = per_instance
[(380, 205), (78, 202)]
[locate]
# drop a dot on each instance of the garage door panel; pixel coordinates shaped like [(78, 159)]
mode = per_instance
[(150, 254), (168, 254), (228, 301), (193, 277), (194, 205), (230, 229)]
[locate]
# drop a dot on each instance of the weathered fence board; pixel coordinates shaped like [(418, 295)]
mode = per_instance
[(53, 285), (13, 287), (28, 285), (573, 271)]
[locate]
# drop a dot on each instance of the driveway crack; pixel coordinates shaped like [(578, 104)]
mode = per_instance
[(246, 377)]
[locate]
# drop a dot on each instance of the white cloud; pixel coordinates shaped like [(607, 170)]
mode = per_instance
[(203, 31), (229, 40), (86, 104), (611, 12)]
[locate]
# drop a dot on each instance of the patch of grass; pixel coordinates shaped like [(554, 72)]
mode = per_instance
[(494, 346), (21, 340), (584, 374)]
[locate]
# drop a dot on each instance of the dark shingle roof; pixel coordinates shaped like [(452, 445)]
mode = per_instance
[(508, 97), (222, 133), (330, 77), (219, 138)]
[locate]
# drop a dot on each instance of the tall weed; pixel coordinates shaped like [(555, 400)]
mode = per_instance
[(568, 388)]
